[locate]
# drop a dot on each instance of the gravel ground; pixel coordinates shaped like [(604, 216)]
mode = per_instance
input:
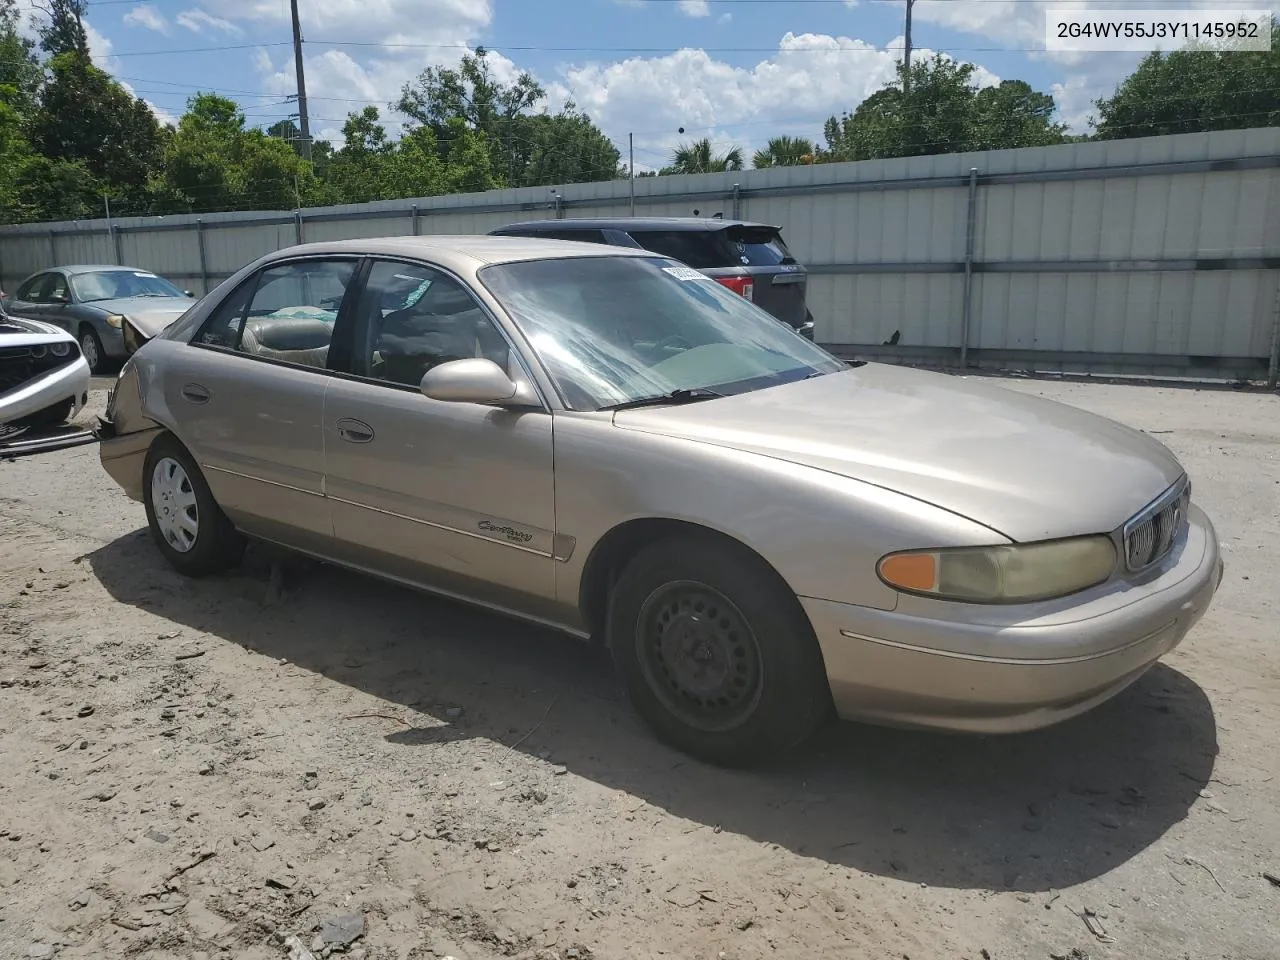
[(205, 769)]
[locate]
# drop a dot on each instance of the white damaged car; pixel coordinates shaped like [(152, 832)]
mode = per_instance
[(44, 379)]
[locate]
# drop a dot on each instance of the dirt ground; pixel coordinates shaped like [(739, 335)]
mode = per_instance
[(205, 769)]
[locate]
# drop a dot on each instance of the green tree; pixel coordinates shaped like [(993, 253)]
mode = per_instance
[(700, 157), (19, 69), (213, 162), (87, 117), (20, 79), (1190, 91), (784, 152), (1011, 114), (50, 190), (63, 30), (943, 112), (524, 148)]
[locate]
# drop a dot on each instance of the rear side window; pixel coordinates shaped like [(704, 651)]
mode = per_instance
[(703, 249), (708, 249), (30, 290), (580, 236)]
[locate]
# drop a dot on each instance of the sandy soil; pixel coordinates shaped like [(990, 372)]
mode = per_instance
[(204, 769)]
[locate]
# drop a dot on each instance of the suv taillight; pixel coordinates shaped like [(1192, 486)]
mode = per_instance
[(742, 286)]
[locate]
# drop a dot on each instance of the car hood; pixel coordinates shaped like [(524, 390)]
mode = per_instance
[(1029, 468), (19, 331), (149, 315)]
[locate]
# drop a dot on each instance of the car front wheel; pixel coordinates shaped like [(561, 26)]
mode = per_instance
[(186, 523), (716, 653), (91, 347)]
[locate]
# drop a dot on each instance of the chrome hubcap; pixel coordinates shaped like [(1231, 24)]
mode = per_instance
[(173, 500)]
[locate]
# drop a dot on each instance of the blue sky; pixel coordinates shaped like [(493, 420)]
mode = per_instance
[(737, 71)]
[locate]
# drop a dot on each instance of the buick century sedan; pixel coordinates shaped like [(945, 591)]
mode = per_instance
[(609, 442)]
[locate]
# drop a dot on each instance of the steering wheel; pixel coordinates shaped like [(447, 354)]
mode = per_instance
[(674, 342)]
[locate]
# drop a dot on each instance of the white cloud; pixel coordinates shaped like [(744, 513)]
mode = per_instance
[(100, 47), (198, 21), (1020, 25), (725, 18), (403, 38), (695, 8), (811, 77), (146, 16)]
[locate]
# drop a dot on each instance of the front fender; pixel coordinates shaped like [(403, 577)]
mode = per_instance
[(821, 532)]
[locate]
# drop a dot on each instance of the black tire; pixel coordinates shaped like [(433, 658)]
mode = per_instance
[(735, 682), (51, 416), (91, 347), (216, 545)]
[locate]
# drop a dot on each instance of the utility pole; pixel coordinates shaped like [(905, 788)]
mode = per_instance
[(631, 148), (906, 50), (304, 125)]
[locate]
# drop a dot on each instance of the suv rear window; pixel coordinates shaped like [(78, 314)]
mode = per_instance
[(708, 249)]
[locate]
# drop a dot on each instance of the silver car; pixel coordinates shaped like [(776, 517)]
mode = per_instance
[(96, 303), (611, 443)]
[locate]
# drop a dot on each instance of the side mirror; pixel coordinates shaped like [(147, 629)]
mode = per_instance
[(59, 298), (189, 293), (473, 380)]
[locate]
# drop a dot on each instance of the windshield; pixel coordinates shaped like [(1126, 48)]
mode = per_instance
[(611, 330), (120, 285)]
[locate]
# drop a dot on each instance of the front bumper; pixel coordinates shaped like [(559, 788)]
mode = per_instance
[(68, 382), (905, 670), (123, 456)]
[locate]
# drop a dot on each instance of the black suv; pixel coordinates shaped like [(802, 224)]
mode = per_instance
[(748, 258)]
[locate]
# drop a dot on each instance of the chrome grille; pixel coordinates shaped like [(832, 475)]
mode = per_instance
[(1151, 534)]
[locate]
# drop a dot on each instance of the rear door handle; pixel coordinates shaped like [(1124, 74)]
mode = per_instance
[(195, 393), (354, 431)]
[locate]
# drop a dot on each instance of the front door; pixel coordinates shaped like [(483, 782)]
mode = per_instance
[(456, 496), (247, 397)]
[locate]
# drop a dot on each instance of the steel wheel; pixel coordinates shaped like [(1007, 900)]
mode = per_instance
[(699, 656), (173, 499)]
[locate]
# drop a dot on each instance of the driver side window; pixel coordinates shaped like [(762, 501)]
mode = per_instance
[(56, 289), (412, 318)]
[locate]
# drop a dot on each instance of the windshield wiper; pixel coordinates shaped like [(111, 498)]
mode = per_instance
[(674, 397)]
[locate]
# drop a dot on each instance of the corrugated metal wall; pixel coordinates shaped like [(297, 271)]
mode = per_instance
[(1158, 255)]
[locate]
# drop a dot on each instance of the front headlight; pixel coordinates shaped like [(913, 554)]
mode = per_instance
[(132, 339), (60, 349), (1017, 573), (115, 320)]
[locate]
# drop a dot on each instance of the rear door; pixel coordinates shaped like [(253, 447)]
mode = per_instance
[(247, 397)]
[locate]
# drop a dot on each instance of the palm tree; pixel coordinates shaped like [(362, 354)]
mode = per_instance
[(784, 152), (698, 157)]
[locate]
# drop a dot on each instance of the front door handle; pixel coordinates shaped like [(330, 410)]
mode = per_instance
[(354, 431), (195, 393)]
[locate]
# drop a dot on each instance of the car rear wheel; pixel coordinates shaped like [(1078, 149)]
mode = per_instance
[(716, 653), (186, 523), (91, 347)]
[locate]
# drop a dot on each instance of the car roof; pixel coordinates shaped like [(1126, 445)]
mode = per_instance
[(461, 251), (96, 268), (637, 223)]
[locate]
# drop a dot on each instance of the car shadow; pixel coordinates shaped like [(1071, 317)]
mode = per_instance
[(1023, 813)]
